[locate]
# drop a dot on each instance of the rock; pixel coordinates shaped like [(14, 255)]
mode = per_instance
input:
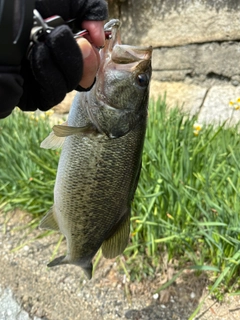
[(216, 108), (176, 22), (199, 62), (196, 49), (10, 309), (174, 58), (188, 98)]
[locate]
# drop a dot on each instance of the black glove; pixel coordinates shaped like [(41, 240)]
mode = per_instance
[(69, 9), (55, 66), (10, 89)]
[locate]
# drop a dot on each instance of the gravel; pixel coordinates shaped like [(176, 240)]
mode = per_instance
[(10, 309), (30, 290)]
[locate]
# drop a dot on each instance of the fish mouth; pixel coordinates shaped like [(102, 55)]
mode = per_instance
[(120, 53), (124, 73), (113, 26)]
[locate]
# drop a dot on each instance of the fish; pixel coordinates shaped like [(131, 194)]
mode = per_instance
[(100, 162)]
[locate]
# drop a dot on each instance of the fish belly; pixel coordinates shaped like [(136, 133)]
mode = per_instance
[(95, 184)]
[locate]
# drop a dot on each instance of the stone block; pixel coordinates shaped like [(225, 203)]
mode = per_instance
[(174, 58), (219, 61), (218, 58), (216, 108), (188, 98), (177, 22)]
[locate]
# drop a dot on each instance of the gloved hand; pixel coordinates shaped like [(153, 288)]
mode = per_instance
[(57, 65), (11, 89)]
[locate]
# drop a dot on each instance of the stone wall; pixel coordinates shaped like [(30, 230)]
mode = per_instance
[(196, 58)]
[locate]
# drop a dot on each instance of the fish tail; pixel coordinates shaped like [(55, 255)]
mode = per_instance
[(88, 271), (64, 260), (58, 261)]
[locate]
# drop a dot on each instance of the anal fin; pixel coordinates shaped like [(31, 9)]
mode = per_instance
[(117, 242)]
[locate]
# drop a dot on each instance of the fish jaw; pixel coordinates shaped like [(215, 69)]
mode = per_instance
[(119, 98), (120, 66)]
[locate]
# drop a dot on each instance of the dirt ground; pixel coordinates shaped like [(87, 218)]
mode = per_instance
[(63, 292)]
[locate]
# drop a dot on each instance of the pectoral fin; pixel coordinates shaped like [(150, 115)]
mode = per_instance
[(65, 131), (116, 243), (57, 136), (52, 142), (49, 221)]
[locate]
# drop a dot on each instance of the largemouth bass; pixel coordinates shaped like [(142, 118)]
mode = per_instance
[(100, 161)]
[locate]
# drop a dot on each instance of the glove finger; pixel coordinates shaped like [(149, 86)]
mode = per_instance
[(81, 9), (55, 69), (66, 54), (52, 83), (44, 86), (10, 90), (96, 10), (48, 8)]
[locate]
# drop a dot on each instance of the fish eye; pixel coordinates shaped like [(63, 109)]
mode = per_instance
[(142, 80)]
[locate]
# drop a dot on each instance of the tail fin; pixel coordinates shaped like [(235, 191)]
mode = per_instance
[(58, 261), (63, 260), (88, 271)]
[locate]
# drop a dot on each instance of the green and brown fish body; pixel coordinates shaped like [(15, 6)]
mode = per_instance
[(100, 162)]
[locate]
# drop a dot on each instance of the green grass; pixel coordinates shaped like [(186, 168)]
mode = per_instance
[(188, 199), (27, 172)]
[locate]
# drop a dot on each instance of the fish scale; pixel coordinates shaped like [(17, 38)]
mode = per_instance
[(100, 162)]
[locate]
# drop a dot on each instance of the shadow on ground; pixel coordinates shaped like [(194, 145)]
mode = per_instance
[(178, 301)]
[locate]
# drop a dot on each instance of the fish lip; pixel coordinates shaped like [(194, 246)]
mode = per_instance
[(113, 26), (121, 53), (124, 54)]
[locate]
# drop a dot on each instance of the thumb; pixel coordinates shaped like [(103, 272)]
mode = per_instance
[(91, 60)]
